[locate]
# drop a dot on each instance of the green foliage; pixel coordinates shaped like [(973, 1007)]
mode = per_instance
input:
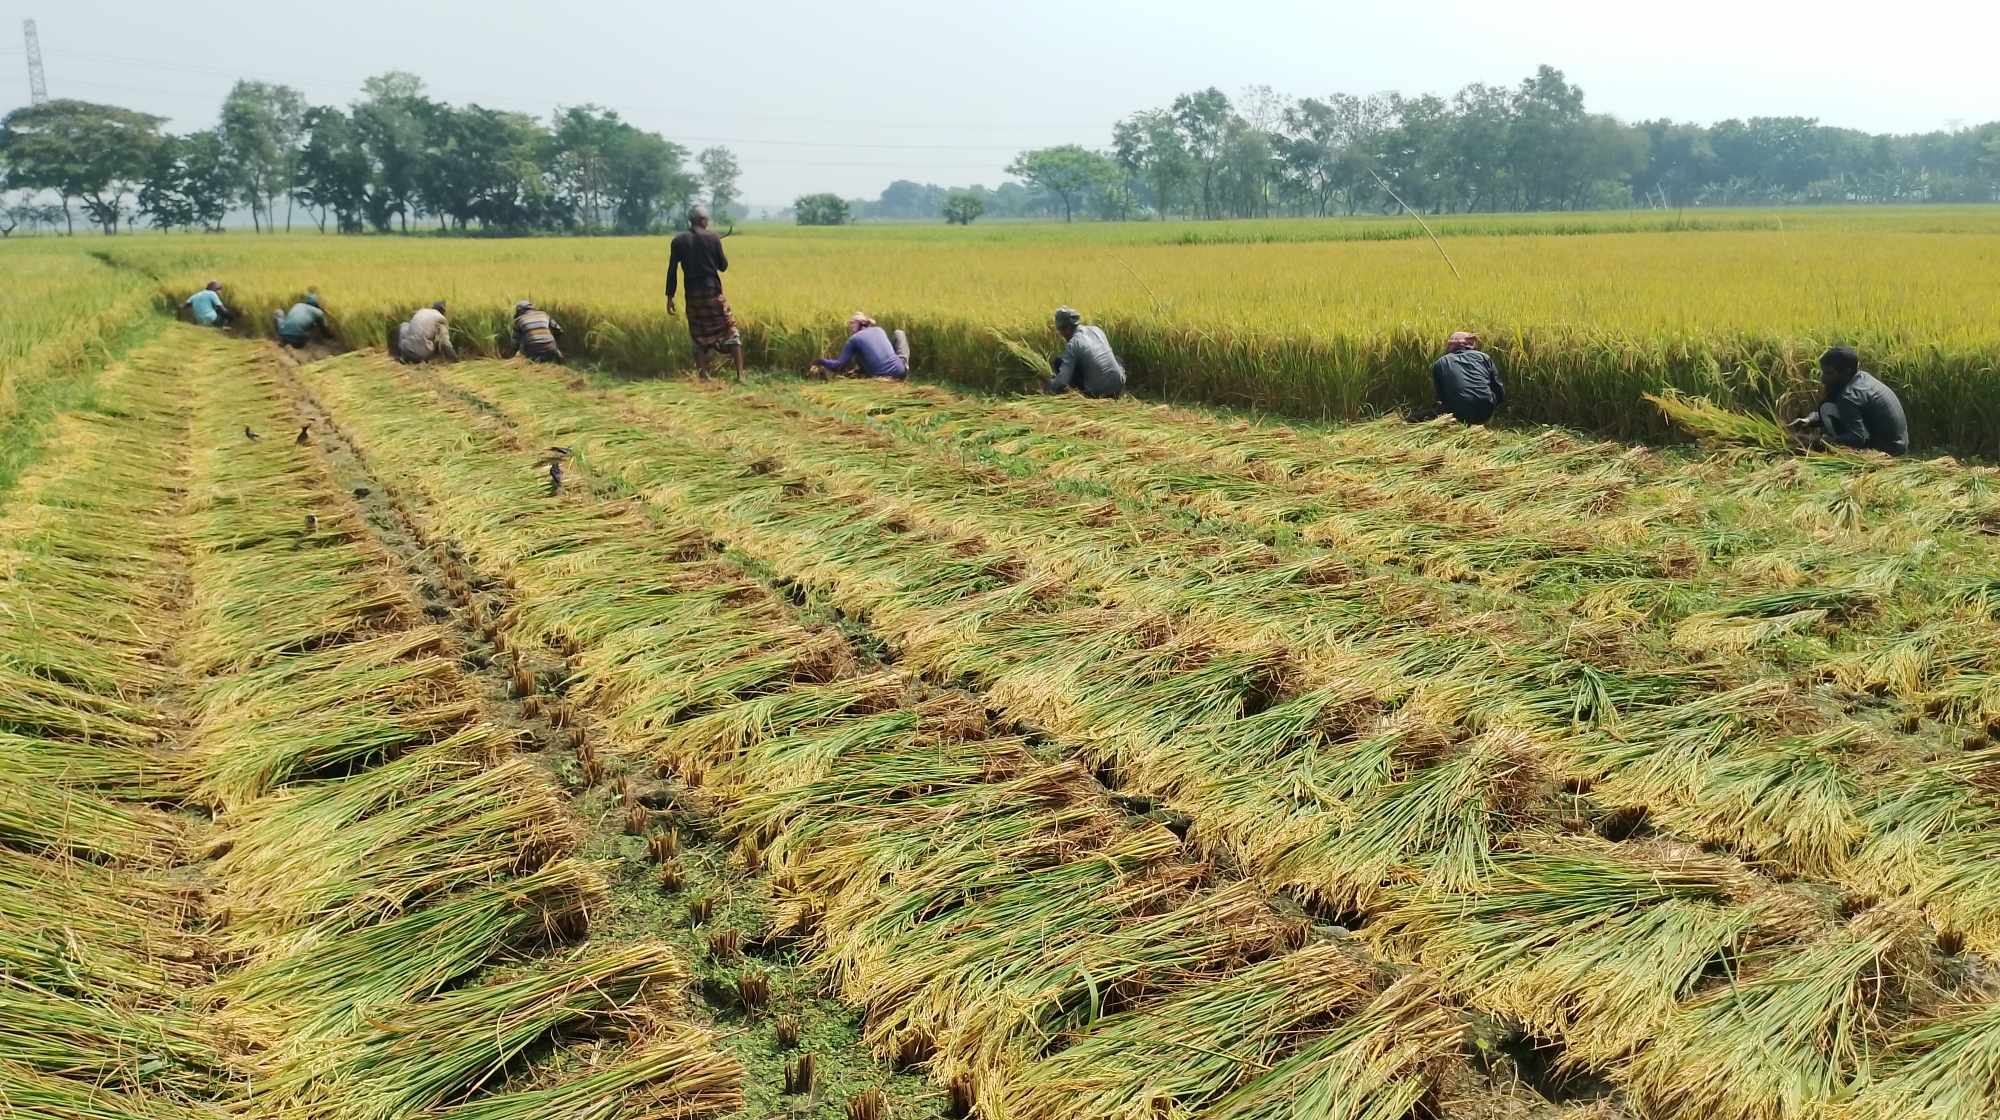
[(820, 210), (962, 208), (1068, 172), (79, 149)]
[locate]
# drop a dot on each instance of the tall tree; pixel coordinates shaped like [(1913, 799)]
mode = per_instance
[(262, 125), (1148, 146), (1068, 172), (1203, 120), (647, 180), (720, 174), (189, 183), (390, 121), (334, 170), (81, 150)]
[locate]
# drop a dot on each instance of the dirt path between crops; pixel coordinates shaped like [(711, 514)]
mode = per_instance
[(673, 876)]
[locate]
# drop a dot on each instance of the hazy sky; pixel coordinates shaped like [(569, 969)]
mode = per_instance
[(846, 96)]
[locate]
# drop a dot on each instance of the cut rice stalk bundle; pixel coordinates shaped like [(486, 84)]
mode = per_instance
[(248, 753), (35, 705), (671, 1075), (498, 822), (435, 1053), (1790, 804), (103, 1044), (81, 929), (1190, 1049), (1712, 423), (1580, 942), (254, 606), (327, 985), (122, 773), (33, 1095), (1946, 1069), (1435, 827), (1381, 1064), (61, 820), (1784, 1040)]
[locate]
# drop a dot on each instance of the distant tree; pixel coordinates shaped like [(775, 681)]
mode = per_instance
[(389, 121), (189, 183), (334, 170), (82, 150), (1068, 172), (720, 174), (961, 208), (582, 139), (262, 125), (1202, 121), (821, 210), (646, 179), (1147, 145)]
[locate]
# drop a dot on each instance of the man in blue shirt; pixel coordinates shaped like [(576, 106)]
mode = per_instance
[(297, 326), (208, 308), (868, 347)]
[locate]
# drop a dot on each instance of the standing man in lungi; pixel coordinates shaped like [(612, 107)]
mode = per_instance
[(697, 255)]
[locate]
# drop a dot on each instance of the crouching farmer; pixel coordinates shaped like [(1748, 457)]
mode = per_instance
[(426, 336), (1086, 363), (1466, 381), (870, 350), (535, 334), (298, 326), (1857, 410)]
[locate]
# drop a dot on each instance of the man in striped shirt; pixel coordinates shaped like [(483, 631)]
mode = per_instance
[(535, 334)]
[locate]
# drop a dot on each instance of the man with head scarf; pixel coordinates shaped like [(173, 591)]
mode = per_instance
[(1857, 410), (297, 326), (1086, 363), (870, 350), (535, 333), (696, 255), (425, 336), (207, 306), (1466, 381)]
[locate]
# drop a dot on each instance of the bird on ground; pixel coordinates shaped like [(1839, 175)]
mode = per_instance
[(361, 491), (305, 435), (253, 437), (312, 522), (560, 452), (555, 478)]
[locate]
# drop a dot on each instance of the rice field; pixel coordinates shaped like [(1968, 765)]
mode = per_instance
[(490, 742), (1009, 758), (1318, 320)]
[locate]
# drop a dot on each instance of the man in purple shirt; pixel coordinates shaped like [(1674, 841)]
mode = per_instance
[(869, 348)]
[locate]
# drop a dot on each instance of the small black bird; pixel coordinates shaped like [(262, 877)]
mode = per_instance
[(305, 435), (312, 523), (555, 478), (361, 491), (559, 452), (253, 437)]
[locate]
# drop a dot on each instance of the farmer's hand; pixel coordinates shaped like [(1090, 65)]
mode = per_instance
[(671, 309)]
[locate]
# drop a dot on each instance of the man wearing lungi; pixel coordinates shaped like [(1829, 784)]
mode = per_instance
[(697, 255)]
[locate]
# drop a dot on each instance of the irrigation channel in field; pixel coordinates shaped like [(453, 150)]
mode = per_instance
[(877, 751)]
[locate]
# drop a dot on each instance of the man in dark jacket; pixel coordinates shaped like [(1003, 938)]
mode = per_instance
[(1857, 409), (1466, 381)]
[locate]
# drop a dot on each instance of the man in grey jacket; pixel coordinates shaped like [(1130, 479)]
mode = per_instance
[(1086, 363)]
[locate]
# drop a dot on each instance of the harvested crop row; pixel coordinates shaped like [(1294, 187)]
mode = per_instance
[(367, 862), (985, 904), (96, 951), (1353, 794), (1880, 566), (376, 851)]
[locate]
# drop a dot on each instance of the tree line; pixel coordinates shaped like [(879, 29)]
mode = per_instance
[(1532, 146), (393, 157)]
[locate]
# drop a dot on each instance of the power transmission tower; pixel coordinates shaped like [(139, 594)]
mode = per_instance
[(38, 86)]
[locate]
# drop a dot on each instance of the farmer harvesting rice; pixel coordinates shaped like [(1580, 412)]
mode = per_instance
[(297, 326), (1086, 362), (535, 333), (697, 255), (869, 348), (1466, 381), (425, 336), (207, 306), (1857, 410)]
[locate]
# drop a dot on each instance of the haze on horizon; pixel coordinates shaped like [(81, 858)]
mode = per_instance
[(848, 97)]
